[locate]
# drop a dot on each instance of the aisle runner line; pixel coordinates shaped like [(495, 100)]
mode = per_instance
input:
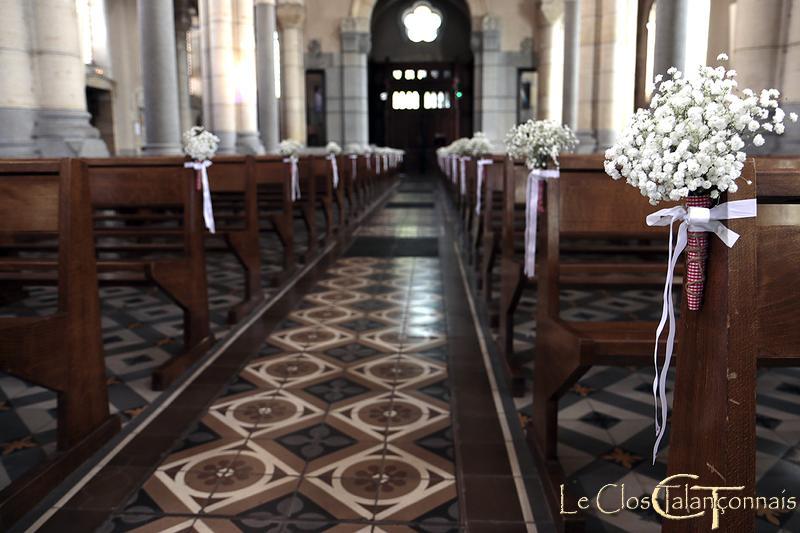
[(522, 492)]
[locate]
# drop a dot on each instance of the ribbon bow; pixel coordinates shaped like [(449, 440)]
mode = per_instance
[(696, 219), (335, 168), (463, 162), (531, 214), (201, 167), (295, 177), (481, 163)]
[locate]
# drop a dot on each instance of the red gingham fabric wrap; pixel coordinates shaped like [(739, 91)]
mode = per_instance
[(696, 256)]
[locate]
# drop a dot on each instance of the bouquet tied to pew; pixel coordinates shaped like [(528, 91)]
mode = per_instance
[(538, 143), (290, 150), (201, 145), (688, 146)]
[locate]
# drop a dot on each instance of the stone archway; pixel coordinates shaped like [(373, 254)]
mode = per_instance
[(363, 9)]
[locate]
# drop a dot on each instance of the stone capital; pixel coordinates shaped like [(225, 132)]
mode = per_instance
[(552, 9), (291, 15), (268, 2)]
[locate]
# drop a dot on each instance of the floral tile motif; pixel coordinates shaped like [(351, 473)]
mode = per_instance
[(288, 370), (401, 371), (325, 314), (310, 338)]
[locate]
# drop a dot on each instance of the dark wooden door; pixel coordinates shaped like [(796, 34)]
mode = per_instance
[(419, 107)]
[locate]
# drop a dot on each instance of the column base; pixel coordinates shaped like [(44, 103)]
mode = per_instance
[(227, 142), (16, 135), (587, 142), (67, 133), (155, 149), (248, 142)]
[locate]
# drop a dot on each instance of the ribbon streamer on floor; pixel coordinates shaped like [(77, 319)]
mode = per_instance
[(481, 164), (463, 162), (201, 168), (532, 212), (335, 169), (699, 219), (295, 177)]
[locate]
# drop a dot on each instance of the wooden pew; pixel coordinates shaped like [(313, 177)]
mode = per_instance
[(157, 185), (750, 316), (275, 206), (64, 351), (328, 197)]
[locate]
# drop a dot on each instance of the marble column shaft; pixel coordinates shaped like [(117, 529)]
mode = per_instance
[(268, 121), (355, 106), (291, 19), (671, 26), (219, 75), (247, 137), (159, 77), (572, 49), (182, 26)]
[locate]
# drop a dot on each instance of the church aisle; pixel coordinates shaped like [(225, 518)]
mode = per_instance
[(368, 408)]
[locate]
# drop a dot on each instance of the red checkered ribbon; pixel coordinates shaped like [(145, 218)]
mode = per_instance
[(695, 222)]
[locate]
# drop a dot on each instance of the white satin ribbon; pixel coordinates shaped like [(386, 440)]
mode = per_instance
[(354, 162), (295, 177), (377, 163), (481, 163), (463, 161), (531, 214), (453, 168), (369, 165), (698, 219), (208, 209), (335, 168), (385, 163)]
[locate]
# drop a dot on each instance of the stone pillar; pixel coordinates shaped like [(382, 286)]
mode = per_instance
[(219, 71), (291, 19), (162, 121), (355, 108), (789, 143), (671, 22), (266, 26), (572, 39), (719, 30), (247, 137), (183, 23), (17, 93), (489, 68), (62, 122)]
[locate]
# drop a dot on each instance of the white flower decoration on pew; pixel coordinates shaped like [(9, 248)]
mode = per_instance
[(538, 143), (290, 149), (333, 148), (201, 145), (479, 145), (688, 146), (691, 138), (354, 149)]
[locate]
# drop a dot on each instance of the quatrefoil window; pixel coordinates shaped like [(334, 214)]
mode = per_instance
[(422, 23)]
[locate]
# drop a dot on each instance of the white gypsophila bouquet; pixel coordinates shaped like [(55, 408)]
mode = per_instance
[(539, 142), (333, 148), (690, 140), (459, 146), (480, 145), (199, 143), (354, 148), (289, 147)]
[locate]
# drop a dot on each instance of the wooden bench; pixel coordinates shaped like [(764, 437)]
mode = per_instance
[(275, 207), (329, 199), (750, 316), (64, 351)]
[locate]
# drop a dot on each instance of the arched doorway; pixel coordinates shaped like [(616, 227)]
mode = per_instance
[(420, 93)]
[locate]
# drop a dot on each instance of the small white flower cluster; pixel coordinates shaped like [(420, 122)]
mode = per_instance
[(479, 145), (290, 147), (458, 147), (354, 148), (199, 143), (691, 138), (539, 142), (333, 148)]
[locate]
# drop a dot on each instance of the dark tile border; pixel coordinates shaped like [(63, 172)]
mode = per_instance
[(113, 484)]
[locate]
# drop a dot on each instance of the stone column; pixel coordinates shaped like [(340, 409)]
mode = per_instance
[(489, 67), (183, 23), (266, 26), (671, 22), (62, 123), (291, 19), (247, 137), (789, 143), (17, 93), (572, 40), (219, 71), (355, 108), (162, 121)]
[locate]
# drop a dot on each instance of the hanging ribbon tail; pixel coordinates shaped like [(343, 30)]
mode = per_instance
[(531, 215), (201, 168), (335, 169), (354, 163), (481, 164), (696, 219), (295, 173)]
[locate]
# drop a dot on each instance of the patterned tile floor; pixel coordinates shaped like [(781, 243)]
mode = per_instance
[(141, 329)]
